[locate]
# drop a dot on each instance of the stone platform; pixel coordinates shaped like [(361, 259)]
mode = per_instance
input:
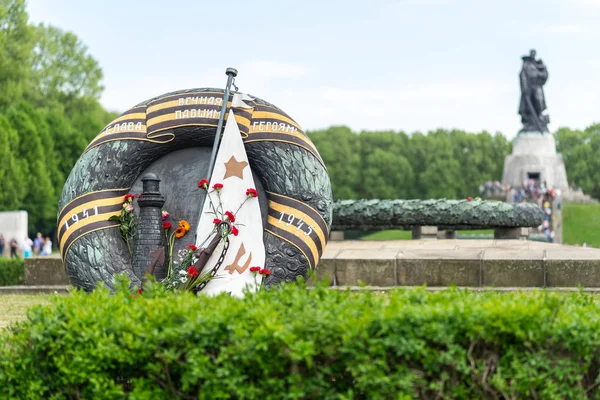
[(464, 263)]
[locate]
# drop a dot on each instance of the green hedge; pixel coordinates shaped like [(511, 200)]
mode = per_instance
[(11, 271), (295, 343)]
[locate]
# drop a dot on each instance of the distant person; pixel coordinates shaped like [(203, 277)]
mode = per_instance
[(2, 244), (26, 246), (38, 242), (47, 247), (13, 248)]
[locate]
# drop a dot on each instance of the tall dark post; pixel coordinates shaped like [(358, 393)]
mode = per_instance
[(150, 234)]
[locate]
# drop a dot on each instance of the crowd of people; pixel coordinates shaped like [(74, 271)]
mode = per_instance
[(531, 191), (491, 189), (40, 246)]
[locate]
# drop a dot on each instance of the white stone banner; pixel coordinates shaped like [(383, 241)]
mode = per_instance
[(247, 249)]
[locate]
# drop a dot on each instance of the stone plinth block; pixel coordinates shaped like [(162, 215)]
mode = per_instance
[(45, 271), (326, 267), (439, 268), (569, 269), (336, 236), (373, 267), (512, 268), (424, 232)]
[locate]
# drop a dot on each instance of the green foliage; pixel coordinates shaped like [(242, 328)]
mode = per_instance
[(579, 150), (49, 111), (16, 44), (394, 165), (339, 148), (11, 271), (580, 224), (41, 197), (12, 173), (295, 343), (62, 67)]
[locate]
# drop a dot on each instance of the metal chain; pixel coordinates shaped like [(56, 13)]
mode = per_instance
[(213, 271)]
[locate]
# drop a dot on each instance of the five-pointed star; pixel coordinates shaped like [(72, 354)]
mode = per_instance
[(234, 167)]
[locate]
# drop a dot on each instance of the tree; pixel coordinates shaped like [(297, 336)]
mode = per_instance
[(386, 176), (40, 198), (11, 170), (15, 51), (62, 68), (339, 148)]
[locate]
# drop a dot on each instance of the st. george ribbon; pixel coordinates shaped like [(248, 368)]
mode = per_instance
[(231, 74)]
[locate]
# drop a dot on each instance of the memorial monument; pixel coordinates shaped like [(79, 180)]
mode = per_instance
[(534, 153), (165, 189)]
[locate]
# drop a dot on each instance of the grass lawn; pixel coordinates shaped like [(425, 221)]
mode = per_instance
[(581, 224), (13, 307), (395, 234)]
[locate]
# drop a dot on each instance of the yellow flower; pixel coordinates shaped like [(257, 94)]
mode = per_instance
[(184, 224)]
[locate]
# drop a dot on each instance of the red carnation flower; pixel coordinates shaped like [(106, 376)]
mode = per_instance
[(230, 216), (234, 230), (192, 247), (218, 186), (129, 197), (217, 221), (251, 192), (140, 291), (192, 271), (254, 269), (469, 198), (203, 184), (264, 271), (167, 225)]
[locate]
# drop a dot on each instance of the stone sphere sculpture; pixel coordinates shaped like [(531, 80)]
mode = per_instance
[(167, 141)]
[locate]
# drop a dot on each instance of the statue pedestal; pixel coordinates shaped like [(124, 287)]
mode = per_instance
[(534, 156)]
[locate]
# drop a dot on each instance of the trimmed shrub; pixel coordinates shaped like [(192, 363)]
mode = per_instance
[(296, 343), (11, 271)]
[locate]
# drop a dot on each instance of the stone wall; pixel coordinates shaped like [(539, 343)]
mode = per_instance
[(13, 225), (45, 271)]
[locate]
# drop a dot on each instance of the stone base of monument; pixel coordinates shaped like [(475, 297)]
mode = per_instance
[(464, 263), (534, 156)]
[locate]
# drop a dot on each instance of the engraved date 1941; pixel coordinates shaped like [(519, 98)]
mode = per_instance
[(75, 218)]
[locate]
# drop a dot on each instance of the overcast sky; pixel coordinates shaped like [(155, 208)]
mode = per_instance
[(411, 65)]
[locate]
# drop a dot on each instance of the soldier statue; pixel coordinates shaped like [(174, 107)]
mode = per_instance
[(532, 77)]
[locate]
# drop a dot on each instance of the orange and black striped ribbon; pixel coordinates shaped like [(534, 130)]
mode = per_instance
[(273, 125), (298, 224), (88, 213), (153, 122)]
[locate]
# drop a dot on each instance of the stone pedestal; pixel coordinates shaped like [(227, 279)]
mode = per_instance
[(336, 236), (425, 232), (535, 153)]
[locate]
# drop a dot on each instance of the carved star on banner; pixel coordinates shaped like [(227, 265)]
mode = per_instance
[(234, 167)]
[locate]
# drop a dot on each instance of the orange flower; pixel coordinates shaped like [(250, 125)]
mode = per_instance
[(180, 232), (184, 224)]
